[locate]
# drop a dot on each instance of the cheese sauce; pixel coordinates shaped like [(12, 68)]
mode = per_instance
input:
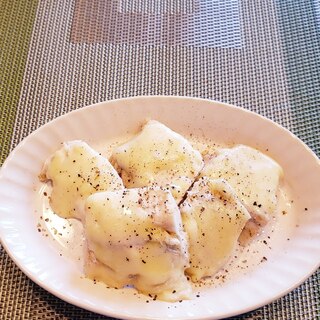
[(67, 235)]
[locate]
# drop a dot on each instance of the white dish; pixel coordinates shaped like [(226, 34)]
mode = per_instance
[(52, 261)]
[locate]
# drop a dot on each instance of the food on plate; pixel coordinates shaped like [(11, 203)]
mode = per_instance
[(213, 217), (255, 178), (135, 237), (158, 156), (75, 172), (162, 214)]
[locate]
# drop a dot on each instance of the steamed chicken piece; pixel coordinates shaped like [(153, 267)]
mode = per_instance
[(213, 218), (158, 156), (254, 177), (135, 237), (77, 171)]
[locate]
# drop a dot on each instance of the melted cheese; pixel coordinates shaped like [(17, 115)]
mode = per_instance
[(77, 171), (213, 218), (135, 237), (253, 175), (158, 156)]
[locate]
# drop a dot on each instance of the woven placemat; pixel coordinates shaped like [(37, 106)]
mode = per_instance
[(271, 66), (16, 22), (198, 23)]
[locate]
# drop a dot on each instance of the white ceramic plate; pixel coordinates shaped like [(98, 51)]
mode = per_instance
[(53, 261)]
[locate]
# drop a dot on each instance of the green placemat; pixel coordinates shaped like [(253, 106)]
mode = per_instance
[(299, 28), (16, 23)]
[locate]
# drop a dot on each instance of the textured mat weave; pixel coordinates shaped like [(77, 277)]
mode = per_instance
[(269, 64), (198, 23), (299, 28), (16, 22)]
